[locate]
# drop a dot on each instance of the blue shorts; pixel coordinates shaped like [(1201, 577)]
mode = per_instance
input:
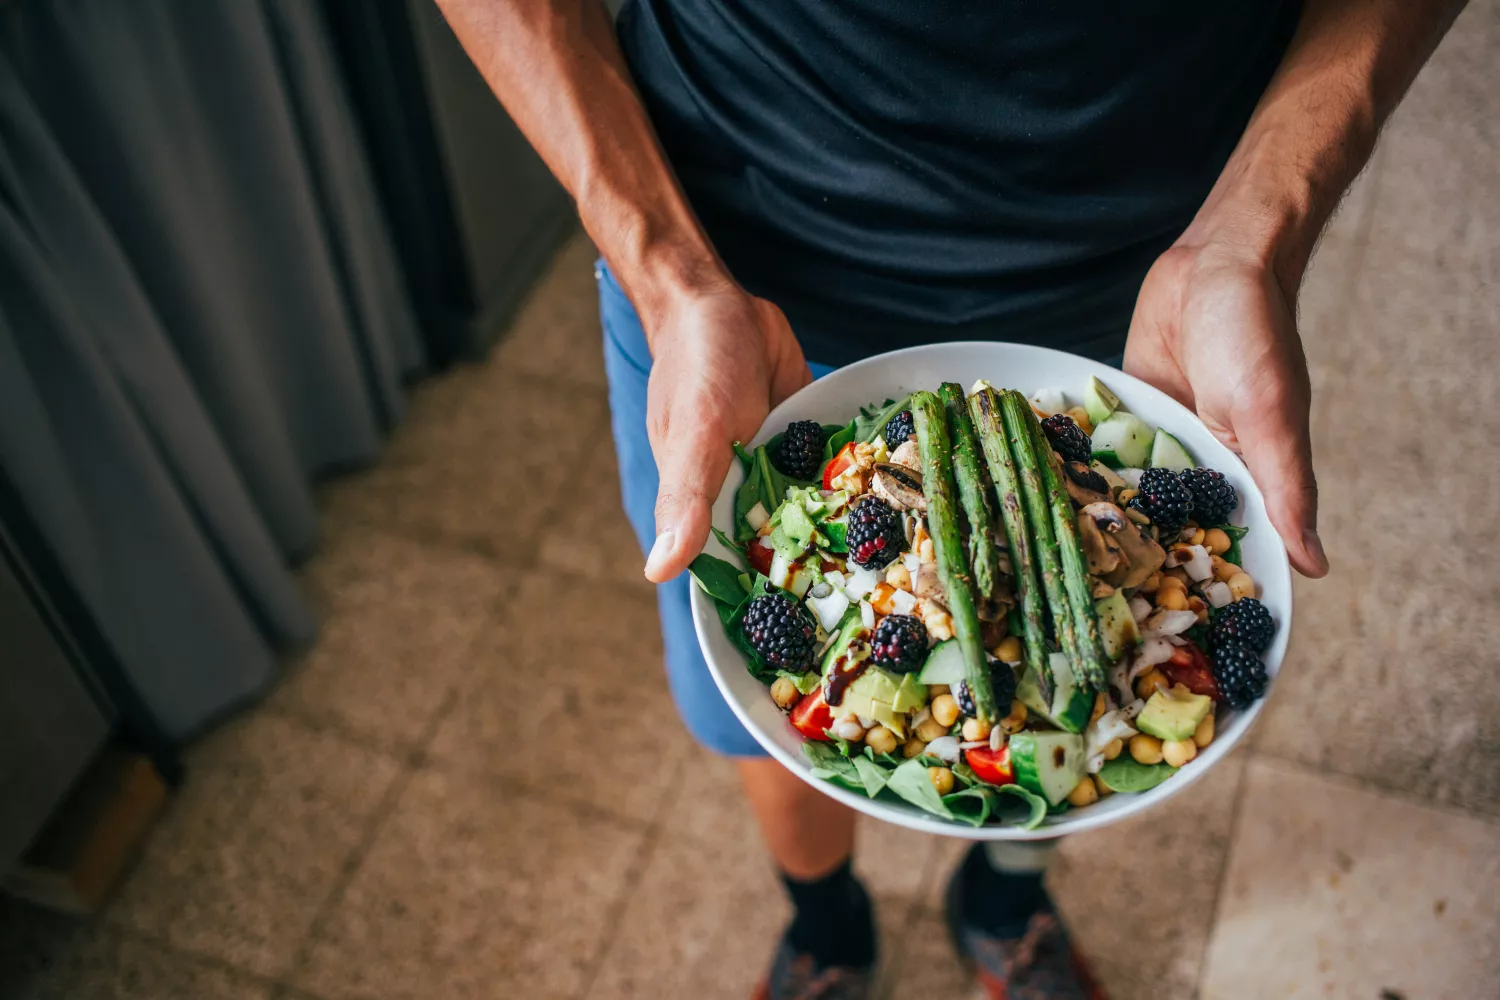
[(627, 361)]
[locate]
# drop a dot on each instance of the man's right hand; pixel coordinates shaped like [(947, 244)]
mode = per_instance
[(721, 361)]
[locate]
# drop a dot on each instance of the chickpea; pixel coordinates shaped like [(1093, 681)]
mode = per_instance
[(848, 728), (1009, 650), (784, 692), (1204, 734), (1127, 495), (1145, 749), (912, 748), (1016, 720), (881, 740), (1169, 582), (1197, 536), (931, 730), (1081, 418), (1241, 586), (1224, 570), (976, 730), (1216, 541), (1199, 607), (945, 710), (1179, 574), (898, 576), (1145, 685), (933, 690), (1152, 584), (1114, 748), (942, 779), (1103, 789), (1178, 752), (1083, 794), (1172, 598), (1099, 706)]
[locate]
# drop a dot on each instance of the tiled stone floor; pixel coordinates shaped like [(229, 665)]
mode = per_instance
[(444, 800)]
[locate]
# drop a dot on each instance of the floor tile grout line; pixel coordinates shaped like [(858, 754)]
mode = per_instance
[(374, 824), (632, 880), (1236, 818), (1368, 786), (127, 932)]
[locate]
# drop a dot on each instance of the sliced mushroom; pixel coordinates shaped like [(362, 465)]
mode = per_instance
[(1103, 553), (898, 486), (908, 454), (1141, 556), (1085, 485), (925, 583)]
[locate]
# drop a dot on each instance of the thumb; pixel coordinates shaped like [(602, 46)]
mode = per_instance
[(1275, 443), (692, 467)]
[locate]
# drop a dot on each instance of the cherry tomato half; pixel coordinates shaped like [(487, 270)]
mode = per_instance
[(837, 465), (759, 556), (811, 716), (992, 766), (1189, 667)]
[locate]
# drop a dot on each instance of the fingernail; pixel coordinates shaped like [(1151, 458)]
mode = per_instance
[(661, 551), (1314, 546)]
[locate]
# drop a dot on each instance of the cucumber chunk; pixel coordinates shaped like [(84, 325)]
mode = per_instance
[(1122, 440), (1099, 402), (1050, 764), (944, 665), (1072, 702), (1117, 626), (1168, 453)]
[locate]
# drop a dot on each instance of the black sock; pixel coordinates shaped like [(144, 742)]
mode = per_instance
[(834, 922), (998, 902)]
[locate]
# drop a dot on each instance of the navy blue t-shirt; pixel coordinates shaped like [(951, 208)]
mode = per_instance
[(894, 172)]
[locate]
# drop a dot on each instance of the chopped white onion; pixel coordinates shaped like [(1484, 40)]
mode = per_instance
[(945, 748), (903, 603), (1139, 608), (780, 570), (982, 383), (861, 582), (1199, 565), (1217, 594), (764, 541), (848, 729), (1049, 401), (1148, 654), (921, 717), (1130, 711), (866, 614), (1164, 621), (1132, 477), (912, 562), (973, 744), (1105, 730), (829, 608), (757, 517), (834, 577), (865, 721)]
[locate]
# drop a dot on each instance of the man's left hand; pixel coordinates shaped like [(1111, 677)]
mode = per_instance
[(1217, 330)]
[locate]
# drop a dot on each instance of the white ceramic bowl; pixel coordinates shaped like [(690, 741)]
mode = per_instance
[(835, 398)]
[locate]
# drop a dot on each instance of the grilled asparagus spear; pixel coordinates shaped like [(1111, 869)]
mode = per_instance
[(984, 407), (953, 569), (972, 495)]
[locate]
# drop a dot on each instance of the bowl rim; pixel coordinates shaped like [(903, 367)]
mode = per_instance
[(1074, 821)]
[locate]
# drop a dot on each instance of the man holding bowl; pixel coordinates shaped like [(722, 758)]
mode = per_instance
[(778, 182)]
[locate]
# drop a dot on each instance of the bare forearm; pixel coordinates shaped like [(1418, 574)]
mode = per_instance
[(557, 68), (1346, 69)]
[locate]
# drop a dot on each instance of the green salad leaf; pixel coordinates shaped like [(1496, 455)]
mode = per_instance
[(973, 805), (730, 544), (836, 439), (1126, 774), (872, 775), (1035, 806), (718, 579), (870, 423), (910, 781), (764, 484), (1235, 533)]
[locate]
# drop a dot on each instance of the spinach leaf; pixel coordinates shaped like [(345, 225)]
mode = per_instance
[(910, 781), (1235, 533), (1126, 774), (883, 758), (837, 533), (871, 774), (837, 438), (1034, 804), (963, 772), (730, 544), (719, 579), (764, 484), (972, 805)]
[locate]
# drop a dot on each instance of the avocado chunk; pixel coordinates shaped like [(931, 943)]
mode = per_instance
[(1174, 714), (1099, 401), (873, 696), (911, 694)]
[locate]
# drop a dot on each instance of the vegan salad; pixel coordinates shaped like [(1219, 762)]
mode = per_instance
[(993, 607)]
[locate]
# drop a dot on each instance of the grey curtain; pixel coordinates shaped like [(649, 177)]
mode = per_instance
[(200, 310)]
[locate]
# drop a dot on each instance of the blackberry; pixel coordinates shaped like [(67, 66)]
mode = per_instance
[(780, 631), (800, 450), (874, 537), (1163, 499), (1240, 674), (1002, 680), (1246, 622), (1068, 439), (898, 429), (1213, 498), (900, 643)]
